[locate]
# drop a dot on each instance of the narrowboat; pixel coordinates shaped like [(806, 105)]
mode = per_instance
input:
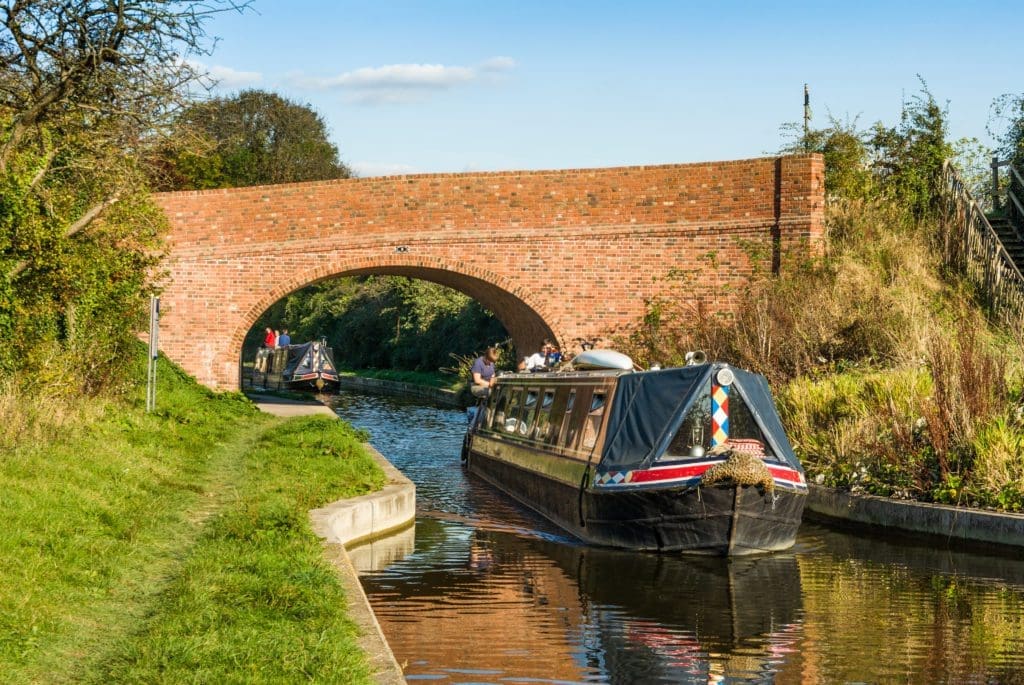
[(688, 459), (306, 366)]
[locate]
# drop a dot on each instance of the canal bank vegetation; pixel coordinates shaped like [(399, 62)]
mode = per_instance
[(890, 372), (435, 379), (175, 545)]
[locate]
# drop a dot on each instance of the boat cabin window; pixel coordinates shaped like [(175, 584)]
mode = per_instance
[(495, 417), (693, 439), (565, 418), (529, 407), (557, 415), (579, 400), (543, 424), (593, 425), (512, 412)]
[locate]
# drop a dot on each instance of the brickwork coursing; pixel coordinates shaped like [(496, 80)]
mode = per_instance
[(563, 254)]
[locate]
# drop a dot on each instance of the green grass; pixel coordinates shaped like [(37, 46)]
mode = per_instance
[(175, 546), (434, 379), (873, 431)]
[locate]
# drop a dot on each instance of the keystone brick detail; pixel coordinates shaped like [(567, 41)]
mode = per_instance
[(564, 254)]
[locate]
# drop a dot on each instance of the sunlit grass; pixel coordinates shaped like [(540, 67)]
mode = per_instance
[(255, 601), (444, 381), (118, 548)]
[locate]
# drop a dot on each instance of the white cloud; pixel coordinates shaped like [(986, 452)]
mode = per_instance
[(382, 169), (399, 83), (225, 78), (498, 64)]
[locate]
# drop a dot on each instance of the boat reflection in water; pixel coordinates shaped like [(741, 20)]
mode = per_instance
[(495, 605)]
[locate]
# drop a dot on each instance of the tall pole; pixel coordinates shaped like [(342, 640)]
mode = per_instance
[(807, 119), (154, 352)]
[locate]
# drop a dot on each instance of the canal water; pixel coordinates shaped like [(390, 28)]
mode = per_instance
[(483, 591)]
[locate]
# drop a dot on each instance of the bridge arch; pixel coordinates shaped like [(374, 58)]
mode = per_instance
[(526, 317), (565, 254)]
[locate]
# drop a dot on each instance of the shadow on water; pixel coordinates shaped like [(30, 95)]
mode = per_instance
[(482, 590)]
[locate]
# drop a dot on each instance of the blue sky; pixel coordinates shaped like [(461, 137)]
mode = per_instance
[(449, 86)]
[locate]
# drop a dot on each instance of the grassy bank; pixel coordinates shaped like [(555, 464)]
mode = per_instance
[(174, 546), (444, 381)]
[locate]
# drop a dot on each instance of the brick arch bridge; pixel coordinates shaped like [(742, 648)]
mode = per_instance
[(563, 254)]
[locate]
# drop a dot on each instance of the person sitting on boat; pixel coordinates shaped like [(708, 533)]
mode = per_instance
[(554, 356), (483, 370), (284, 340), (538, 361), (269, 340)]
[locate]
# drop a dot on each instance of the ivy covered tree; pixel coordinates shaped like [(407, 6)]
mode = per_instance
[(251, 138), (85, 89)]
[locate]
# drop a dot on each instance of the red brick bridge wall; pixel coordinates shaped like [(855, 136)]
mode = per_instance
[(562, 254)]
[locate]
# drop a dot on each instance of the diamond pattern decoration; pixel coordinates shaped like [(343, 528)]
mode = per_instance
[(613, 477), (719, 414)]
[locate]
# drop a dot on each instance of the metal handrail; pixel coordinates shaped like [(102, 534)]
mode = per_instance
[(973, 247)]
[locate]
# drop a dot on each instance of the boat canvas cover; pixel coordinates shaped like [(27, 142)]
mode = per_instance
[(650, 407), (300, 360)]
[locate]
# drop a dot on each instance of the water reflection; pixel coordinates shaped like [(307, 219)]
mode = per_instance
[(488, 592), (529, 607)]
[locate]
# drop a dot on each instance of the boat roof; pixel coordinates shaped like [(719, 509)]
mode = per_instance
[(539, 377)]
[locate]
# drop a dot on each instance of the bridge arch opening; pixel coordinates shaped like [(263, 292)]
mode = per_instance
[(524, 315)]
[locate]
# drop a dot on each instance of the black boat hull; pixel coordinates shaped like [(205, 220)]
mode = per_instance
[(721, 520)]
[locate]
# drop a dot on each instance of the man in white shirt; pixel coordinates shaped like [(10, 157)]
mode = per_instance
[(538, 361)]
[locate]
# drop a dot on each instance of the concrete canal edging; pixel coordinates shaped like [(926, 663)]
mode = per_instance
[(377, 386), (347, 521), (953, 523)]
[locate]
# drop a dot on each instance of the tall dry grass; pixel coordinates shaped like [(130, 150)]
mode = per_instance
[(868, 300), (30, 415), (889, 377)]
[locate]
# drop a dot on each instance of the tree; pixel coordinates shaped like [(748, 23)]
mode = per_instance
[(847, 168), (909, 157), (85, 88), (1007, 119), (1006, 125), (383, 322), (252, 138)]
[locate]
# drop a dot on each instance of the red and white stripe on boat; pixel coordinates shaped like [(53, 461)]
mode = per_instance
[(660, 474)]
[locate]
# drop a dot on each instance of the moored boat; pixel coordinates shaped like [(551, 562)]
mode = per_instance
[(306, 366), (690, 459)]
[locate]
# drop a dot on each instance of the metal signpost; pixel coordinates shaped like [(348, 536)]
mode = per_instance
[(154, 350)]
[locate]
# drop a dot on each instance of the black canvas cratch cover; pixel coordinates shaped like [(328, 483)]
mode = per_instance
[(300, 360), (327, 359), (650, 407)]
